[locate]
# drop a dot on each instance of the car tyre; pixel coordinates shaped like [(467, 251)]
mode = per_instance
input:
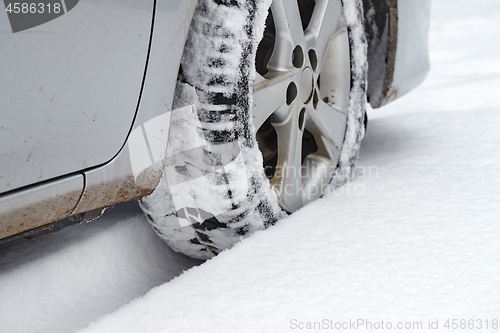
[(245, 114)]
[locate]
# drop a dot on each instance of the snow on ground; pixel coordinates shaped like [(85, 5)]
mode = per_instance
[(415, 238), (63, 281)]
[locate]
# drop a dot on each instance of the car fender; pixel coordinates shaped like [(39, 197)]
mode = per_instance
[(397, 33)]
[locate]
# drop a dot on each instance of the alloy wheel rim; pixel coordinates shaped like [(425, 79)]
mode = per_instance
[(300, 97)]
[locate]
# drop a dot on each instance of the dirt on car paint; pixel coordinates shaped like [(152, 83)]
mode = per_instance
[(25, 218), (50, 215), (120, 190)]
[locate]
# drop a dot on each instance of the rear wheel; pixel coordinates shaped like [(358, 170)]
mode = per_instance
[(243, 167)]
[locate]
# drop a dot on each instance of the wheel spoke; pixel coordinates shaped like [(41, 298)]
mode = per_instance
[(327, 125), (289, 33), (319, 171), (325, 23), (287, 180), (269, 94)]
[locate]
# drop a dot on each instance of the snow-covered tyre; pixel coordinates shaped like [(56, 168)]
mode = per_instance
[(268, 116)]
